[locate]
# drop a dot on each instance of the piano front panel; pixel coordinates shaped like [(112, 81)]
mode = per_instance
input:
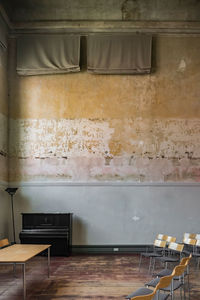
[(48, 228)]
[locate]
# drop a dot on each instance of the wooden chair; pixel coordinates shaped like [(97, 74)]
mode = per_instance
[(197, 236), (196, 252), (167, 238), (4, 243), (175, 284), (170, 239), (161, 237), (166, 272), (189, 235), (144, 293), (173, 249), (184, 261), (144, 297), (158, 249), (189, 245)]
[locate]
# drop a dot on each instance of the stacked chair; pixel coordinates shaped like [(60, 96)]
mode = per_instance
[(189, 245), (178, 272), (159, 247), (196, 252), (184, 261), (148, 294), (167, 238), (164, 285), (173, 255), (168, 280)]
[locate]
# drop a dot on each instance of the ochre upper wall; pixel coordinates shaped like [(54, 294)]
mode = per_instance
[(171, 91), (83, 127)]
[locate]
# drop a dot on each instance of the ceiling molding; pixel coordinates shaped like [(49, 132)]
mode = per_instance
[(103, 184), (85, 27)]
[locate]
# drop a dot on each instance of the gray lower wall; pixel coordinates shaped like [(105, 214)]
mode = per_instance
[(116, 215)]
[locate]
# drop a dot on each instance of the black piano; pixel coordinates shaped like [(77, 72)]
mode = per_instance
[(48, 228)]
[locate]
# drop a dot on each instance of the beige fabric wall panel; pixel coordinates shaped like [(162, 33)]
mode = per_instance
[(83, 127)]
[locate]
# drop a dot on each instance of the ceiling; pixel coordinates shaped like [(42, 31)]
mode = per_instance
[(115, 10)]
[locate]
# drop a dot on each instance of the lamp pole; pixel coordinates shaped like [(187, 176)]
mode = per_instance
[(11, 192)]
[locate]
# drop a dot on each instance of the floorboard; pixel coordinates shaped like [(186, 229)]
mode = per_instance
[(82, 277)]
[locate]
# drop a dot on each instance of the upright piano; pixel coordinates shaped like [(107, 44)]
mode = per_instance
[(48, 228)]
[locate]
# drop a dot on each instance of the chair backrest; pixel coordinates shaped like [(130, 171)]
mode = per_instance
[(178, 270), (4, 243), (159, 243), (146, 297), (189, 235), (164, 282), (189, 241), (162, 237), (197, 236), (198, 243), (176, 247), (185, 260), (171, 239)]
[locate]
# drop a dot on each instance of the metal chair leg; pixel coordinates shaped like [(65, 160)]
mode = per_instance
[(140, 261), (150, 262), (188, 286)]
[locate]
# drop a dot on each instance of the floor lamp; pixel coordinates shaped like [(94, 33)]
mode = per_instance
[(11, 192)]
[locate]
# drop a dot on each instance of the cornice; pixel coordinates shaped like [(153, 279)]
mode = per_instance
[(84, 27)]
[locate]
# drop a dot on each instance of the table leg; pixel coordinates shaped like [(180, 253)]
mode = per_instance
[(24, 279), (48, 261)]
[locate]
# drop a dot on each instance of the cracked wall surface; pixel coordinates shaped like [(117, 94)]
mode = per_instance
[(83, 127), (3, 115)]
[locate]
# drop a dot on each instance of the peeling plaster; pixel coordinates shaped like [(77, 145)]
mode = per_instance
[(160, 150), (3, 134), (59, 138), (182, 66)]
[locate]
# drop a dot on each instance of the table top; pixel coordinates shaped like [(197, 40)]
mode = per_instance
[(20, 253)]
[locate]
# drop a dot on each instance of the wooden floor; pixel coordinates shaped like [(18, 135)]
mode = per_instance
[(98, 277)]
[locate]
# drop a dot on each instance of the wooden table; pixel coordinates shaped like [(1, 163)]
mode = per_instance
[(20, 254)]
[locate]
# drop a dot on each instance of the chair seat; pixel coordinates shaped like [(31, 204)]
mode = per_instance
[(165, 259), (162, 296), (196, 254), (164, 272), (167, 272), (154, 282), (139, 292), (146, 291), (187, 252), (151, 254)]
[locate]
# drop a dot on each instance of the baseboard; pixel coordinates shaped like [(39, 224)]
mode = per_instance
[(109, 249)]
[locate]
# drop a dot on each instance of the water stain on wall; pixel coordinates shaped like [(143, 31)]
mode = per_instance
[(107, 149), (104, 127)]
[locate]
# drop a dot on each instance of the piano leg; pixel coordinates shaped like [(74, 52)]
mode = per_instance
[(48, 261)]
